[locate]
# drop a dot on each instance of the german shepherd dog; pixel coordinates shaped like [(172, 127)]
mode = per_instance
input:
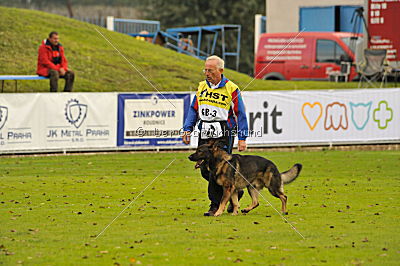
[(234, 172)]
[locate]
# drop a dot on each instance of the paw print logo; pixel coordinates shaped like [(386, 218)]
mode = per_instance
[(3, 116), (75, 112)]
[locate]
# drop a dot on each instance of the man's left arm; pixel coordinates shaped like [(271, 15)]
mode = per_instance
[(240, 112)]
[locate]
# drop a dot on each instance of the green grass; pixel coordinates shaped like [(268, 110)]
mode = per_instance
[(99, 68), (345, 204)]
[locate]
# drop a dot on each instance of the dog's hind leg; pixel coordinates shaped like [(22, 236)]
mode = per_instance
[(254, 199), (281, 195), (228, 189), (235, 202), (283, 199), (278, 193)]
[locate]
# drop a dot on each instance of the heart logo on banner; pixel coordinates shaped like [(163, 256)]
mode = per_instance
[(312, 113)]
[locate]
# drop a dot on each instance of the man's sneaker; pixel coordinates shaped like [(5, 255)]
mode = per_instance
[(213, 209)]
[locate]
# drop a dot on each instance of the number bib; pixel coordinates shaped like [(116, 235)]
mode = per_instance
[(214, 104), (211, 130)]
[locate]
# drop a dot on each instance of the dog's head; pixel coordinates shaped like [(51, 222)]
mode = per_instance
[(206, 152), (202, 154)]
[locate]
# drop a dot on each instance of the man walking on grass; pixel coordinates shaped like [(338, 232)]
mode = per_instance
[(219, 108)]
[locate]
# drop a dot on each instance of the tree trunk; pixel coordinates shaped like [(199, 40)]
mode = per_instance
[(69, 7)]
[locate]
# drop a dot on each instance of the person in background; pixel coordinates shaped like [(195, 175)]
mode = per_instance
[(144, 38), (53, 64), (186, 44)]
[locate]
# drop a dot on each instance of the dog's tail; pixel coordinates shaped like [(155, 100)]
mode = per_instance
[(290, 175)]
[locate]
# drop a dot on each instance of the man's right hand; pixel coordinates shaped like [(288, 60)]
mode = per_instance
[(186, 137), (62, 71)]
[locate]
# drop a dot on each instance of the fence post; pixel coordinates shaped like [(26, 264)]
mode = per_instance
[(257, 31), (110, 23)]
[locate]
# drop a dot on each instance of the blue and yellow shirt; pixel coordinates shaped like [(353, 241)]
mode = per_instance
[(223, 103)]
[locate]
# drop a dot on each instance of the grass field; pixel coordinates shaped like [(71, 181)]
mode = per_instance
[(345, 204)]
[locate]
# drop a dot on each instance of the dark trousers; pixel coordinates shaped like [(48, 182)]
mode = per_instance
[(54, 76), (215, 191)]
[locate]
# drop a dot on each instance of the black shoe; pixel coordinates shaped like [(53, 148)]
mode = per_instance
[(230, 207), (213, 209)]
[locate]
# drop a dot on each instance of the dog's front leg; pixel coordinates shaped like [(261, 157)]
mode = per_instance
[(235, 202), (228, 189)]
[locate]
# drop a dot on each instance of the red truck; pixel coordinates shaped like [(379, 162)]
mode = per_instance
[(309, 56)]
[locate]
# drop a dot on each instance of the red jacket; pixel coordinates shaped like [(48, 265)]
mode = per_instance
[(45, 59)]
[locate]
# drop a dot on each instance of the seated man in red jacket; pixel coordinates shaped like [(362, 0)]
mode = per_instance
[(53, 64)]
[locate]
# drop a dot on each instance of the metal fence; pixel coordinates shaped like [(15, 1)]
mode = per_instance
[(135, 25), (99, 21), (127, 26)]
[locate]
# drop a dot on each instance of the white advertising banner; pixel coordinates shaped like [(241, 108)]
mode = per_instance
[(63, 121), (51, 121), (328, 116), (151, 119), (18, 122)]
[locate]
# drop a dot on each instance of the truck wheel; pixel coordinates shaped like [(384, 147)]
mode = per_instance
[(274, 76)]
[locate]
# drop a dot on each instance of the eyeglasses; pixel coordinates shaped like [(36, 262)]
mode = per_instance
[(208, 70)]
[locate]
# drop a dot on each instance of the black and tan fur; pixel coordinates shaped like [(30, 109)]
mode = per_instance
[(235, 172)]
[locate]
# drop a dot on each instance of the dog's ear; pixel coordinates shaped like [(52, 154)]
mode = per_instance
[(219, 144), (206, 145), (212, 142)]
